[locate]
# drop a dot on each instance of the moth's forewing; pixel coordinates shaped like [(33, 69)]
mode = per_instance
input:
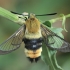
[(53, 41), (13, 42)]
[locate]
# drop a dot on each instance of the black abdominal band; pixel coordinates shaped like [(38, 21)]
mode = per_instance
[(33, 44)]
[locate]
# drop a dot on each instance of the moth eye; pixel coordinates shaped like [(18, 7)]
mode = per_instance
[(25, 18)]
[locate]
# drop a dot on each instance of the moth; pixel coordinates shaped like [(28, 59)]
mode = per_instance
[(32, 33)]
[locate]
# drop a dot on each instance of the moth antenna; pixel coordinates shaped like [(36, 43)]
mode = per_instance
[(15, 13), (46, 14)]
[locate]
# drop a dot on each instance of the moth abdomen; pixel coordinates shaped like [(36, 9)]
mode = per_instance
[(33, 48)]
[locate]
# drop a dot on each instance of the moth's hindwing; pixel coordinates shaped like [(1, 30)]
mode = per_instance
[(53, 41), (13, 42)]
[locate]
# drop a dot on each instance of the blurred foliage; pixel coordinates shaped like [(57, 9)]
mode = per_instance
[(17, 59)]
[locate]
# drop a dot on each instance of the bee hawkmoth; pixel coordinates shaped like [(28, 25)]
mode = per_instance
[(32, 33)]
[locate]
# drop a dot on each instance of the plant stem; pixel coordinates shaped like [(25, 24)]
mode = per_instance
[(7, 14), (59, 18)]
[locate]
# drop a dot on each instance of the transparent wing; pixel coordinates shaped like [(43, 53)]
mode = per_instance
[(54, 41), (13, 42)]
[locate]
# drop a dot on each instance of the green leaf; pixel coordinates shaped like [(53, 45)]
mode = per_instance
[(49, 56), (47, 23), (46, 57)]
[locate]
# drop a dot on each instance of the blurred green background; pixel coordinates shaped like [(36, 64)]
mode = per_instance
[(17, 59)]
